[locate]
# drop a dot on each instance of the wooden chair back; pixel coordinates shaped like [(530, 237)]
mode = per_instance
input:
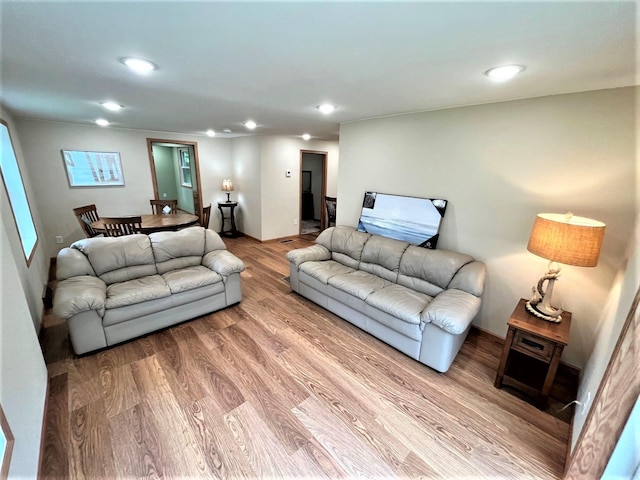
[(86, 215), (331, 204), (157, 206), (206, 215), (119, 226)]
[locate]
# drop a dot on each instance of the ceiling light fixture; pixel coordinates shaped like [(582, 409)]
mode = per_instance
[(306, 136), (102, 122), (113, 106), (326, 108), (227, 130), (250, 124), (504, 72), (211, 132), (139, 65)]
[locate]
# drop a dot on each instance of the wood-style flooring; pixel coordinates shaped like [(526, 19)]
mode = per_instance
[(277, 387)]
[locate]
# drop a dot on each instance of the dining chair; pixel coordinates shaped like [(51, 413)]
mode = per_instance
[(157, 206), (331, 204), (120, 226), (86, 216), (206, 215)]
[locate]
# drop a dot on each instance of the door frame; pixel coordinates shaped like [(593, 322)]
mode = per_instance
[(323, 189), (196, 164)]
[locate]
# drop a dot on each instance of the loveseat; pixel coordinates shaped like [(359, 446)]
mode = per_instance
[(418, 300), (113, 289)]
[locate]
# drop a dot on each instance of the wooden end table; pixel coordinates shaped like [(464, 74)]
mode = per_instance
[(531, 353), (231, 232)]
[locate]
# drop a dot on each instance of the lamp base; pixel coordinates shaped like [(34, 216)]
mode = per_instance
[(228, 197), (540, 303), (557, 318)]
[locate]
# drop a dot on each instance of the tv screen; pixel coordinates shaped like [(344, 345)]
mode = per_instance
[(411, 219)]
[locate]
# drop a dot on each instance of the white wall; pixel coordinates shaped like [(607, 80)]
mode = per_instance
[(281, 194), (499, 165), (247, 172), (23, 374), (55, 200)]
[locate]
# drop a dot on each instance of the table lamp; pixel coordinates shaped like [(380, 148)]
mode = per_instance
[(227, 186), (563, 239)]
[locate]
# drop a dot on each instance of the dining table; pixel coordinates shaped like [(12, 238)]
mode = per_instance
[(158, 222)]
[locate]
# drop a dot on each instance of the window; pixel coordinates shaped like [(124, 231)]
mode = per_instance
[(185, 167), (17, 195)]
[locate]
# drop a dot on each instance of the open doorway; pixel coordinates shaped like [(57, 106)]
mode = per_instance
[(313, 186), (175, 173)]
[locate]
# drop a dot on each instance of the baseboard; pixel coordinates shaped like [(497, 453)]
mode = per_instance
[(564, 368)]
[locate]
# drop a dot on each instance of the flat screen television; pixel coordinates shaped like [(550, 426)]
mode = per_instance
[(411, 219)]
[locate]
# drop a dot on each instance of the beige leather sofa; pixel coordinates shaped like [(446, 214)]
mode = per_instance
[(420, 301), (114, 289)]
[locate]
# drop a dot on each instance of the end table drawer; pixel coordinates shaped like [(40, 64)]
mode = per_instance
[(533, 345)]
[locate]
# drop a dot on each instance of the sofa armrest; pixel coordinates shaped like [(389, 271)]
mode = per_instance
[(314, 253), (470, 278), (72, 263), (223, 262), (452, 310), (79, 294)]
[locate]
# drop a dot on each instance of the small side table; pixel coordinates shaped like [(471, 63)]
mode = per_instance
[(232, 232), (531, 353)]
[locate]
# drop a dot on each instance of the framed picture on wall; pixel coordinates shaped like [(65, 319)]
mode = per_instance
[(93, 169)]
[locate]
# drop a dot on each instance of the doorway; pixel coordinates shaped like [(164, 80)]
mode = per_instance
[(175, 173), (313, 187)]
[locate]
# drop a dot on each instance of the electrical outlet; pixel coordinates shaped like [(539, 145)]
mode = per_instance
[(295, 221), (164, 195), (287, 173), (59, 239)]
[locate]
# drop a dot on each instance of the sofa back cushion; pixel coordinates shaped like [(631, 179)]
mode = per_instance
[(430, 271), (381, 256), (174, 250), (345, 244), (118, 259)]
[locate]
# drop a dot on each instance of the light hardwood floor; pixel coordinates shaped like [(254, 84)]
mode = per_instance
[(277, 387)]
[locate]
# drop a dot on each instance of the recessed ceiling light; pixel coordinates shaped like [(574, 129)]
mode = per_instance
[(113, 106), (250, 124), (504, 72), (306, 136), (139, 65), (326, 108), (227, 130), (102, 122), (211, 133)]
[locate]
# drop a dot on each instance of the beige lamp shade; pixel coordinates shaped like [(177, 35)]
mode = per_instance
[(567, 239), (227, 186)]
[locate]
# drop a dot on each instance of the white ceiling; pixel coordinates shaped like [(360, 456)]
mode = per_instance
[(221, 64)]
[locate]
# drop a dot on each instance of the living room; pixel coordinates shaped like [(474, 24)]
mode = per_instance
[(498, 164)]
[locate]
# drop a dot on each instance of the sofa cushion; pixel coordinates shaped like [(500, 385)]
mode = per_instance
[(429, 271), (136, 291), (118, 259), (401, 302), (346, 245), (381, 256), (358, 283), (323, 271), (189, 278), (176, 250)]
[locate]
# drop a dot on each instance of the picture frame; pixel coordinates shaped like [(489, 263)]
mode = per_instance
[(86, 168), (414, 220)]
